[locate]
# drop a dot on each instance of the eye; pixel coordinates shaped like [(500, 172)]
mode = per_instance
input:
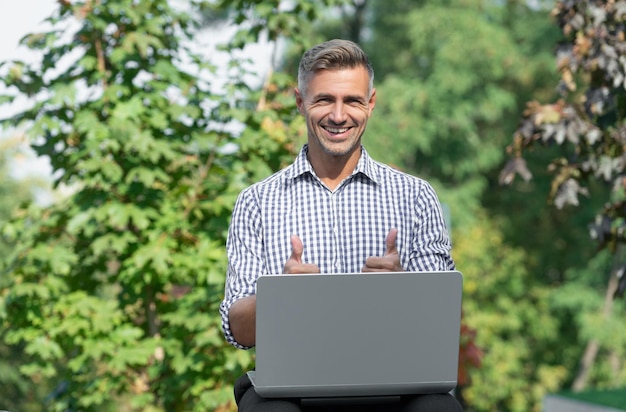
[(354, 102)]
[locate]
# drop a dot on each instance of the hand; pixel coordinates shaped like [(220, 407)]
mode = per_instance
[(294, 263), (388, 263)]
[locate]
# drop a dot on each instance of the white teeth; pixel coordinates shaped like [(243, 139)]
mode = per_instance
[(337, 130)]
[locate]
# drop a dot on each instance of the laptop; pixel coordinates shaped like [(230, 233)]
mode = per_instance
[(357, 336)]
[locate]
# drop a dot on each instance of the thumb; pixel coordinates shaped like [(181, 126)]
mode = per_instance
[(296, 248), (391, 242)]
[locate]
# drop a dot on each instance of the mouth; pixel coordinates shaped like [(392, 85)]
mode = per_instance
[(336, 130)]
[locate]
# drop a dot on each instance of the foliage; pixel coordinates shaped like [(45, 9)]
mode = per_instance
[(447, 102), (588, 121), (113, 292), (12, 193), (516, 326), (584, 133), (16, 392), (580, 303)]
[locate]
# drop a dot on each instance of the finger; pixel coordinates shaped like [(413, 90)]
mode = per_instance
[(391, 242), (296, 248), (294, 263), (376, 264)]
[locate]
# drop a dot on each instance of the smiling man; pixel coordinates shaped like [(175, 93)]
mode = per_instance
[(334, 210)]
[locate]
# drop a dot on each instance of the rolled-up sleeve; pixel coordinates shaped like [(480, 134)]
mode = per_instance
[(244, 247), (431, 246)]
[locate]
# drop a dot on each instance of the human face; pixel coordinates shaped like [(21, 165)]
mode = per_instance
[(336, 107)]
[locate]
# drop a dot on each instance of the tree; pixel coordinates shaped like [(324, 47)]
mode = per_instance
[(113, 292), (17, 392), (587, 125)]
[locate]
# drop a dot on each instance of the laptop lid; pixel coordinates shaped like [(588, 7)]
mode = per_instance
[(364, 334)]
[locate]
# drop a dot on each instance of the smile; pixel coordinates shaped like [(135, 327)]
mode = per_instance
[(336, 130)]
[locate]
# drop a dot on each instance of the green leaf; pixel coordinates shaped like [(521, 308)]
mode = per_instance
[(44, 348), (131, 109), (146, 176)]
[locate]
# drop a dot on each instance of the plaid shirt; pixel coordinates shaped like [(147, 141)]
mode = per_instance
[(339, 229)]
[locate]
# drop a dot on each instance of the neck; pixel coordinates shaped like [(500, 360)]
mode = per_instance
[(331, 169)]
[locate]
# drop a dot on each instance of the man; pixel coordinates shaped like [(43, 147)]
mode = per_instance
[(334, 210)]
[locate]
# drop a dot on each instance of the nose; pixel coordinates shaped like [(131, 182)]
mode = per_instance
[(338, 113)]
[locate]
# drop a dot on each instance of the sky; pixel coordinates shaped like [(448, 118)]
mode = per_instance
[(17, 19)]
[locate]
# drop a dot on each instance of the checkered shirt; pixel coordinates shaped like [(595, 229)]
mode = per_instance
[(339, 229)]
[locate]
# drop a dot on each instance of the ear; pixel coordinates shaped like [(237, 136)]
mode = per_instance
[(372, 101), (299, 101)]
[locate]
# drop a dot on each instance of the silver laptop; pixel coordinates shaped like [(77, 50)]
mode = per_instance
[(357, 335)]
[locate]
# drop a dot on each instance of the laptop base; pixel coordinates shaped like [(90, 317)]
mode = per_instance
[(359, 394), (338, 400)]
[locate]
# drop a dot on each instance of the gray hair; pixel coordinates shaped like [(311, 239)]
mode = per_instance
[(332, 55)]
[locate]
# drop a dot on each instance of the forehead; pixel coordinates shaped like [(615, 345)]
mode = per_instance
[(352, 81)]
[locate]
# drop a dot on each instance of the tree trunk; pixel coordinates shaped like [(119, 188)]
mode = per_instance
[(357, 22), (587, 361), (593, 346)]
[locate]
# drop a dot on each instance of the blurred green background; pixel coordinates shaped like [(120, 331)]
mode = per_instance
[(154, 114)]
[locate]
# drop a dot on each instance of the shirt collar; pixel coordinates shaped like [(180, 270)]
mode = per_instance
[(365, 166)]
